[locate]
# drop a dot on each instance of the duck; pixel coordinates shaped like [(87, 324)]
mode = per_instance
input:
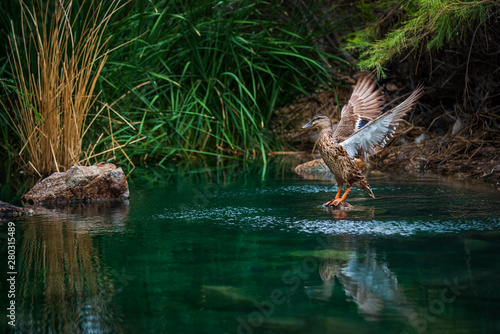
[(362, 128)]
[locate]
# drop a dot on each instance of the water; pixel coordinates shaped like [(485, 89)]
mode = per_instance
[(238, 251)]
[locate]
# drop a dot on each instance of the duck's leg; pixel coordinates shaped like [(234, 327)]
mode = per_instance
[(336, 197), (337, 201)]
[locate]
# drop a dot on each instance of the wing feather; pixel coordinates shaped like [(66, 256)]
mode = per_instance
[(377, 132), (364, 105)]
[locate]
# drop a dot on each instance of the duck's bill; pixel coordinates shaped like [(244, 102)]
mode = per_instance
[(308, 125)]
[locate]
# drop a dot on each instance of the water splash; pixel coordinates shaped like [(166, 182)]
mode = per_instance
[(265, 218)]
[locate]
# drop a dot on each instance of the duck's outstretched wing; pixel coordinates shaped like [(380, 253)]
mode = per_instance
[(379, 131), (364, 106)]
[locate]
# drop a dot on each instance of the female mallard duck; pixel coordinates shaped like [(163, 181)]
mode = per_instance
[(361, 126)]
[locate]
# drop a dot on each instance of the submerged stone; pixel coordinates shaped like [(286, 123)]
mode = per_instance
[(80, 183), (226, 297), (324, 254), (476, 244), (341, 206)]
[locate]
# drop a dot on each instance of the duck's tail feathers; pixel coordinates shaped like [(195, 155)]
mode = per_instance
[(370, 192), (363, 185)]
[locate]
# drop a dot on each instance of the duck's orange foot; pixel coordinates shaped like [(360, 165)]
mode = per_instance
[(334, 202), (338, 200), (341, 205)]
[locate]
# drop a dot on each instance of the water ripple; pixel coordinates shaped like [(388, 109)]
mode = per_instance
[(263, 218)]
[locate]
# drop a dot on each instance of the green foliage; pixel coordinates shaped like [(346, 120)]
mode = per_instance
[(204, 77), (10, 88), (191, 78), (413, 24)]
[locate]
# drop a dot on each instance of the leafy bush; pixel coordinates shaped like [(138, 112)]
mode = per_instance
[(395, 28)]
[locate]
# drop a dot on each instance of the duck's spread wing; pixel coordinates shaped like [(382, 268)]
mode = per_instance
[(377, 132), (364, 106)]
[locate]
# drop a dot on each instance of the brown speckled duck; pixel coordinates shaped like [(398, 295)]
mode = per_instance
[(361, 127)]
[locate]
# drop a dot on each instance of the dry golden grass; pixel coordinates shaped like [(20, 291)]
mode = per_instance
[(56, 71)]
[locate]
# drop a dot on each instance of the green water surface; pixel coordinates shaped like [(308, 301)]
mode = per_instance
[(243, 250)]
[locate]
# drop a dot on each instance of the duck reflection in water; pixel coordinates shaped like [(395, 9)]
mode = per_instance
[(366, 281)]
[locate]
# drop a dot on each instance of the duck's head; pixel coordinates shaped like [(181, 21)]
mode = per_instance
[(320, 121)]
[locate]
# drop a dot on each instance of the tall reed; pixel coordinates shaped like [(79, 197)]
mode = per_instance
[(212, 74), (56, 59)]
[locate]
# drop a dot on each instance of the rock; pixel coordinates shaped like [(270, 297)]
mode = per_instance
[(314, 166), (317, 169), (421, 138), (391, 87), (9, 210), (457, 126), (80, 183), (341, 206)]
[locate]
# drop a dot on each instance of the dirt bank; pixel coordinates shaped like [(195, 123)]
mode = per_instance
[(431, 156)]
